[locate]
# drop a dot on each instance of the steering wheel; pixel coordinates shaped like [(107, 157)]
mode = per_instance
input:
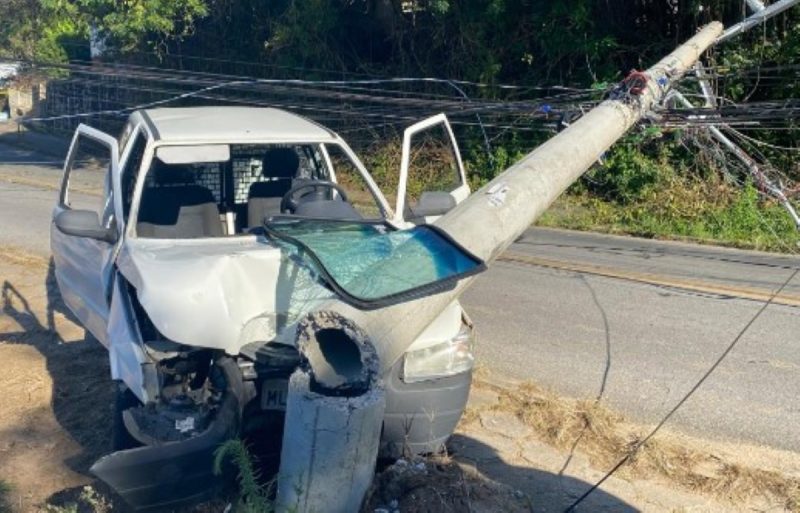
[(290, 204)]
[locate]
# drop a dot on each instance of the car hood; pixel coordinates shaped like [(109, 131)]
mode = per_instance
[(221, 293)]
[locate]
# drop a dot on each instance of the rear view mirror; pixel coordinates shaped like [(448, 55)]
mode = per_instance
[(433, 203), (84, 223)]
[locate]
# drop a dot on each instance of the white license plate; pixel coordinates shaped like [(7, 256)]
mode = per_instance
[(273, 394)]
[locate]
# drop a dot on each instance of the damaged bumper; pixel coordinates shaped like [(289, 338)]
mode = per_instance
[(157, 477)]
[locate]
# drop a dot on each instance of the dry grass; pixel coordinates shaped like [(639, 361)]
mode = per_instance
[(605, 438)]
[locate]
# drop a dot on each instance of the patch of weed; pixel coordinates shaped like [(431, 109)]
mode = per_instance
[(5, 497), (253, 495)]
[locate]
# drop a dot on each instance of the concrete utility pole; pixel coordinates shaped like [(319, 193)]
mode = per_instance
[(489, 220), (485, 223)]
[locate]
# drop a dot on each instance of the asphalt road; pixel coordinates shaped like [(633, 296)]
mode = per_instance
[(642, 346), (634, 321)]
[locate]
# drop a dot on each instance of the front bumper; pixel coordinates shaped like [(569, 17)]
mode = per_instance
[(158, 477), (419, 419), (421, 416)]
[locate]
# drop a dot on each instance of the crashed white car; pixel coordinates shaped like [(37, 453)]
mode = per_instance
[(218, 227)]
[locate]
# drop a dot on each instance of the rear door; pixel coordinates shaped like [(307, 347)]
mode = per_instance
[(83, 265), (432, 178)]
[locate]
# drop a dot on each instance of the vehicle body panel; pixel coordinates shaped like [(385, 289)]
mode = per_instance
[(84, 266), (225, 295), (127, 354), (245, 286)]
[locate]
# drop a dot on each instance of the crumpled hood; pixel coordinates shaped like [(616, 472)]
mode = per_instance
[(219, 293)]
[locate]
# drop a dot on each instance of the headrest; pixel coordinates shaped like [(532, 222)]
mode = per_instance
[(280, 163), (175, 174)]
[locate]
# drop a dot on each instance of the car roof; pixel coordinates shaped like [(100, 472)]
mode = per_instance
[(232, 124)]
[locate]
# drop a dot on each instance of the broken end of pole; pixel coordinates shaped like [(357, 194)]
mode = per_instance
[(334, 415), (338, 354)]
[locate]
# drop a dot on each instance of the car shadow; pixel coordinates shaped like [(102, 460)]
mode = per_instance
[(549, 492), (82, 392)]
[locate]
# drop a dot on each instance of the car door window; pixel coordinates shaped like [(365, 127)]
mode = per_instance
[(352, 181), (87, 179), (432, 165), (130, 171), (432, 176)]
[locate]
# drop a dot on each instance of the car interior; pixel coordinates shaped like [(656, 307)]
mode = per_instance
[(236, 196)]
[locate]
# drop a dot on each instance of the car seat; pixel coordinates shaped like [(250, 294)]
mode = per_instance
[(279, 167), (174, 207)]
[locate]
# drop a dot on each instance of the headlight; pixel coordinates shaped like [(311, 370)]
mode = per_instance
[(440, 360)]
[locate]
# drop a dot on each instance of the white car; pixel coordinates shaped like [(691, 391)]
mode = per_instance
[(182, 272)]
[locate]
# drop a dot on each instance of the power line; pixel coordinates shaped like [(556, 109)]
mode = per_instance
[(685, 398)]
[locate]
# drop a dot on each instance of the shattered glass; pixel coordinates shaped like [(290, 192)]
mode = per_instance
[(373, 263)]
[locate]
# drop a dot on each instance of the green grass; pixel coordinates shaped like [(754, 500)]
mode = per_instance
[(690, 209), (648, 186), (253, 495), (5, 497)]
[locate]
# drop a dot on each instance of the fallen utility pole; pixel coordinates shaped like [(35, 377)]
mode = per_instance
[(486, 223), (489, 220)]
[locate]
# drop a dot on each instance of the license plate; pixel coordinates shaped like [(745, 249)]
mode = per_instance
[(273, 394)]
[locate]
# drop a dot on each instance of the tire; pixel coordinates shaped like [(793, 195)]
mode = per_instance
[(120, 438)]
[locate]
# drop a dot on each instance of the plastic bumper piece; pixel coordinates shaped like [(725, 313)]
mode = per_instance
[(175, 473)]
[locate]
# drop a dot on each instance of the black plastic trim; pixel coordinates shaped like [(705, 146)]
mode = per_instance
[(176, 473)]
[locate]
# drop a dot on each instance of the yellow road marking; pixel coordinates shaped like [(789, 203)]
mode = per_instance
[(754, 293)]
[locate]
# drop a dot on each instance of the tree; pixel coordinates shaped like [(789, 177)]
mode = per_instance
[(55, 30)]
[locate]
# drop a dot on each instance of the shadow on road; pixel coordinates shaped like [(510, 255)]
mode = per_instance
[(81, 390), (25, 145), (549, 493)]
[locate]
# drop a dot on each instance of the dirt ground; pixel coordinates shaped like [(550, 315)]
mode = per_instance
[(54, 412), (517, 449), (554, 448)]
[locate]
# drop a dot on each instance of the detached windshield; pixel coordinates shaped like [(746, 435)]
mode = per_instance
[(372, 265), (218, 190)]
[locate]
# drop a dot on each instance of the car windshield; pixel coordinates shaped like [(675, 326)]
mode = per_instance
[(370, 264), (227, 189)]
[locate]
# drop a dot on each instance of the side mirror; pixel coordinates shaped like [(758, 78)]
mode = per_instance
[(433, 203), (85, 223)]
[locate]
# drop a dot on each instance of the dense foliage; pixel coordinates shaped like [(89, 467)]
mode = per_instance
[(581, 43), (565, 41)]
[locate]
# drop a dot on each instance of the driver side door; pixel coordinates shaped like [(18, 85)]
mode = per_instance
[(432, 177), (83, 264)]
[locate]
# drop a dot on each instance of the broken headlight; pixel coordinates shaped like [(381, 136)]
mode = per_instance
[(440, 360)]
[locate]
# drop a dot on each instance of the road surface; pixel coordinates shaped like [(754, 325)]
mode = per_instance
[(634, 321)]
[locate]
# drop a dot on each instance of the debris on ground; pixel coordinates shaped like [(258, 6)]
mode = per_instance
[(439, 485)]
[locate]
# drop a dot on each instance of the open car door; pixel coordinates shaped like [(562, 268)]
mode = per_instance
[(85, 227), (432, 178)]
